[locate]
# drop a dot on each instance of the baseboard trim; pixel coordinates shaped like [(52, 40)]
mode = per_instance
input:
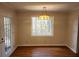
[(71, 49), (12, 51), (42, 45)]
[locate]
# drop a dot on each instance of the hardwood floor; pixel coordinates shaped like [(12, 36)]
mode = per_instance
[(36, 51)]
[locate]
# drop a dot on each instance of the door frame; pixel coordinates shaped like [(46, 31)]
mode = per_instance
[(78, 36), (10, 51)]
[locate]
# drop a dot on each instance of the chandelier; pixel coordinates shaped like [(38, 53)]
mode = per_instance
[(44, 15)]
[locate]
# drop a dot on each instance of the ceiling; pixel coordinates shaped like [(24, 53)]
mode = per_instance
[(38, 6)]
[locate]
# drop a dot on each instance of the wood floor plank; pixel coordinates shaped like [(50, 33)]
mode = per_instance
[(43, 51)]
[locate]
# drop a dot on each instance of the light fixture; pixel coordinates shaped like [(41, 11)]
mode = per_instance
[(44, 15)]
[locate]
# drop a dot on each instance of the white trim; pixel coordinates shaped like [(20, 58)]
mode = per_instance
[(71, 48), (11, 51), (42, 45)]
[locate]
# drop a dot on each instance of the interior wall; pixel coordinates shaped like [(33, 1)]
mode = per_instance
[(10, 13), (72, 30), (25, 37)]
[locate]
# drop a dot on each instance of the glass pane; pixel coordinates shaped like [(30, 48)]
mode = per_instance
[(41, 27), (7, 31)]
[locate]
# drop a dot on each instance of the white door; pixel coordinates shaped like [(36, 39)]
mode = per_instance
[(2, 41), (7, 35)]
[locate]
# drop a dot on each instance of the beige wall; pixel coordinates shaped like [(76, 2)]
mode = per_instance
[(72, 30), (24, 29), (11, 14)]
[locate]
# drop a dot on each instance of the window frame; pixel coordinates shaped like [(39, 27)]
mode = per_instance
[(52, 29)]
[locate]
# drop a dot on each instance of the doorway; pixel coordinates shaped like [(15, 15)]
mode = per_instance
[(7, 34)]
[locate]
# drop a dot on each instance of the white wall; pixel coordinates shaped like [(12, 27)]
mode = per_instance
[(72, 30)]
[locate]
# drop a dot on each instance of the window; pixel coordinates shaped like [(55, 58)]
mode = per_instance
[(42, 27)]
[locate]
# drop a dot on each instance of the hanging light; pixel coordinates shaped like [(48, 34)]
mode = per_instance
[(44, 15)]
